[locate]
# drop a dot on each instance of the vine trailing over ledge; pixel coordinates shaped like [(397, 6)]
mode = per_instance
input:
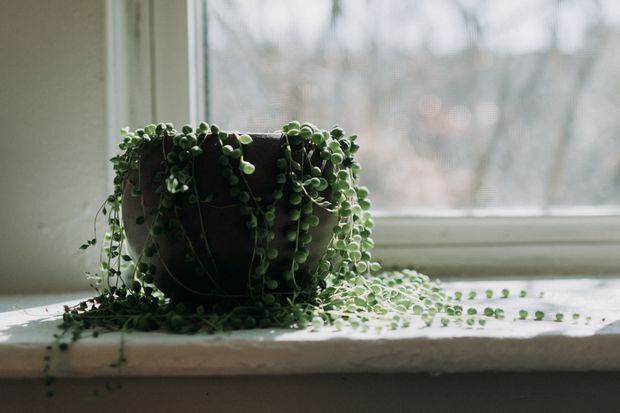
[(317, 170), (316, 176), (315, 164)]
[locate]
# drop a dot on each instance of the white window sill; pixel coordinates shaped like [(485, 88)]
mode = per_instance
[(28, 322)]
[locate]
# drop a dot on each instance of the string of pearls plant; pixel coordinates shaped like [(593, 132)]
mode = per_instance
[(316, 170)]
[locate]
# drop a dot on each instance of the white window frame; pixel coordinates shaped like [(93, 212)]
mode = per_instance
[(155, 65)]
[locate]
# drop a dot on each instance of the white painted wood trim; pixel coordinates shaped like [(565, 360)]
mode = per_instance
[(457, 244), (545, 229), (154, 64), (174, 68), (129, 78), (502, 345)]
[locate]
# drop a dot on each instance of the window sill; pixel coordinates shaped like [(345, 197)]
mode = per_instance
[(28, 322)]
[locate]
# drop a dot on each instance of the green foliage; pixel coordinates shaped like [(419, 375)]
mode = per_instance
[(318, 171)]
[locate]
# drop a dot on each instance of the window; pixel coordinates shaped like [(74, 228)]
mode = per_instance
[(489, 130), (459, 104)]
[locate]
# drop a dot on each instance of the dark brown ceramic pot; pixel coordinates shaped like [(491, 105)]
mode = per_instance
[(230, 244)]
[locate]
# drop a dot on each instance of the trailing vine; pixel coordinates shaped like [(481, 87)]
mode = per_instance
[(316, 171)]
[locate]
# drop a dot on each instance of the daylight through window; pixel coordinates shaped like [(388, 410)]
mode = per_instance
[(458, 104)]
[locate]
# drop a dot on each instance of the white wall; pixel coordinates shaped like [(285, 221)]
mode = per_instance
[(53, 139)]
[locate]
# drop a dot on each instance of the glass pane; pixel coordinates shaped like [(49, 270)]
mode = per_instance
[(458, 104)]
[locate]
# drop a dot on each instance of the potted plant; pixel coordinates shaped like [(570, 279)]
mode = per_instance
[(210, 230), (210, 214), (240, 230)]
